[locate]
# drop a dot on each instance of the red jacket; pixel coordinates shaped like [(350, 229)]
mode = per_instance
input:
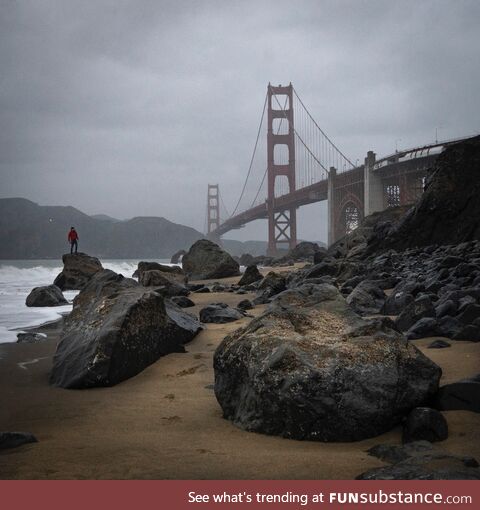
[(72, 235)]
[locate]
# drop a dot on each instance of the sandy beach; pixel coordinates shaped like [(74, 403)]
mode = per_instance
[(165, 423)]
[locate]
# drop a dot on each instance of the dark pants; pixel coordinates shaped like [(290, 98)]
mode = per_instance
[(72, 244)]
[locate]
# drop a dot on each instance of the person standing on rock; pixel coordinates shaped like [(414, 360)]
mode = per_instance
[(73, 239)]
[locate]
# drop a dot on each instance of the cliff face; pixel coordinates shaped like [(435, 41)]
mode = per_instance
[(30, 231), (449, 210)]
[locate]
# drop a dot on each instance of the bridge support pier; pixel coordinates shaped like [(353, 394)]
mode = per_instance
[(373, 187), (213, 212), (331, 206), (282, 224)]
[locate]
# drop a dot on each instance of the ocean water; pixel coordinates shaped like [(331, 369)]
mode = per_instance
[(19, 277)]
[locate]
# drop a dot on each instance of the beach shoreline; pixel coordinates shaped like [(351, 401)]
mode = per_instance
[(165, 423)]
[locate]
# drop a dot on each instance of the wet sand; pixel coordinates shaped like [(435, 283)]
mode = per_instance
[(165, 423)]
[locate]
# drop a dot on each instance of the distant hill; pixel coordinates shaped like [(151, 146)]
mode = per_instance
[(31, 231)]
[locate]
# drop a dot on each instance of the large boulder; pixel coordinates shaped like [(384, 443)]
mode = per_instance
[(49, 295), (78, 269), (206, 260), (116, 329), (251, 275), (310, 368)]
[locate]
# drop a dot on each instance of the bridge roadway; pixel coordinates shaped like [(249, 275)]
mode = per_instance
[(402, 163)]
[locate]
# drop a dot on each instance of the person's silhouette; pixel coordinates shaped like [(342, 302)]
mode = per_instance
[(73, 239)]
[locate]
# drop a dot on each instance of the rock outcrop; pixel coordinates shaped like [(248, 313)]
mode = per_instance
[(449, 209), (49, 295), (116, 329), (78, 269), (206, 260), (310, 368)]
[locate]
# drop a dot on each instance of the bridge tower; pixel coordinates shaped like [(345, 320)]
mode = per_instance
[(213, 211), (282, 224)]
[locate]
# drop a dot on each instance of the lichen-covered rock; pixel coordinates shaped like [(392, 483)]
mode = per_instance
[(49, 295), (206, 260), (78, 269), (310, 368), (116, 329)]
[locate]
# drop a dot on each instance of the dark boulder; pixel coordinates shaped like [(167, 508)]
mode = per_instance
[(425, 423), (418, 309), (49, 295), (469, 314), (15, 439), (310, 368), (174, 272), (428, 326), (438, 344), (246, 259), (446, 307), (367, 298), (245, 304), (116, 329), (396, 302), (170, 282), (182, 301), (219, 313), (251, 275), (30, 338), (319, 256), (177, 256), (271, 285), (461, 395), (449, 327), (396, 453), (154, 277), (206, 260), (78, 269), (420, 461)]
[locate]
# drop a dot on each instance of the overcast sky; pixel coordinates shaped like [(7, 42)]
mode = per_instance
[(130, 108)]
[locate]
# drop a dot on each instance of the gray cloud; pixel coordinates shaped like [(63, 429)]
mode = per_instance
[(132, 107)]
